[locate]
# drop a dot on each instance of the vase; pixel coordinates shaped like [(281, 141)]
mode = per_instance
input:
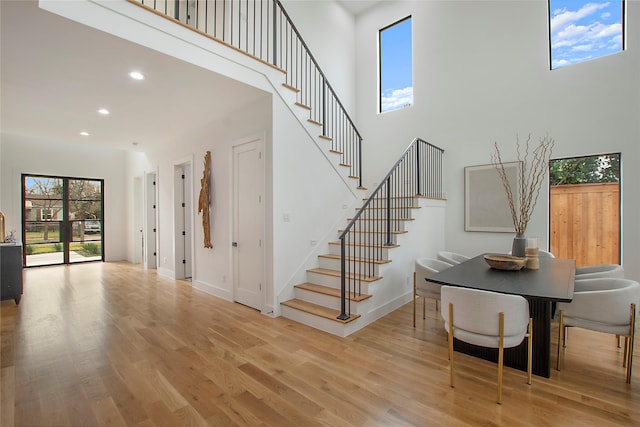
[(519, 245)]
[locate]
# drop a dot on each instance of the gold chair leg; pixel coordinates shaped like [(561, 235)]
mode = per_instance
[(414, 299), (618, 340), (450, 337), (626, 352), (500, 355), (632, 337), (424, 308), (560, 337), (530, 342)]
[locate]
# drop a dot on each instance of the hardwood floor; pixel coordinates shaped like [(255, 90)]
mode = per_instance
[(113, 344)]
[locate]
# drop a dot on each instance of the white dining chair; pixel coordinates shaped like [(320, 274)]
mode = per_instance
[(600, 271), (424, 268), (452, 257), (486, 319), (608, 305)]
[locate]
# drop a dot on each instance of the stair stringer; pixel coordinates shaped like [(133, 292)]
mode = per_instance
[(425, 237)]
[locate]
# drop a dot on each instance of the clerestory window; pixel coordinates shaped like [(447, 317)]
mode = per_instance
[(396, 69), (580, 30)]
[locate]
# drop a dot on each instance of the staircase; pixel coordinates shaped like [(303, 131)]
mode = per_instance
[(355, 283)]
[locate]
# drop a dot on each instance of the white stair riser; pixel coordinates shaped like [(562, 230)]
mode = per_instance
[(325, 300), (396, 203), (372, 238), (363, 251), (335, 264), (371, 225), (333, 281), (381, 214)]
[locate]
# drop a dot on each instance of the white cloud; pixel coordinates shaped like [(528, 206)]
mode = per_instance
[(397, 98), (563, 17)]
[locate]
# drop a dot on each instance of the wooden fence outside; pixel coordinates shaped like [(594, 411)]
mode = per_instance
[(585, 223)]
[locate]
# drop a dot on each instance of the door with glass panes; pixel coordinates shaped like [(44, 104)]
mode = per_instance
[(62, 220)]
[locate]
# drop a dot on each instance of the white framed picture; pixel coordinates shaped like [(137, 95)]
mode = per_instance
[(486, 206)]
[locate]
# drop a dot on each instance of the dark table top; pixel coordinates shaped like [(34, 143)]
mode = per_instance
[(554, 281)]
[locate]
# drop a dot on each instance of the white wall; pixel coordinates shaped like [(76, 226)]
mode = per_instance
[(20, 155), (481, 75), (329, 32)]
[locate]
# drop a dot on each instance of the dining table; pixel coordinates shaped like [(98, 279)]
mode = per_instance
[(552, 282)]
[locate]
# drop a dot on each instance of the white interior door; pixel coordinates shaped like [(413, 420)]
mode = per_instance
[(138, 236), (182, 212), (248, 223), (150, 252)]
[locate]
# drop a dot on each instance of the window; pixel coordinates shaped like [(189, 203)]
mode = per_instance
[(396, 75), (46, 214), (584, 30)]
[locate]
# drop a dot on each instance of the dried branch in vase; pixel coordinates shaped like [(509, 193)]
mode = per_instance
[(533, 167)]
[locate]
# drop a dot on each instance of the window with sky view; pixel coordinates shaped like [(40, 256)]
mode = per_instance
[(396, 76), (583, 30)]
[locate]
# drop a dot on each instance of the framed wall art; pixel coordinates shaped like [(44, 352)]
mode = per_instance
[(486, 206)]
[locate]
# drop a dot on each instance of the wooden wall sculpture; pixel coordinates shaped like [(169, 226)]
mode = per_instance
[(203, 200)]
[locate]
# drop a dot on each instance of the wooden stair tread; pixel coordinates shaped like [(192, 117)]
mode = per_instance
[(367, 245), (375, 232), (382, 219), (336, 273), (335, 151), (356, 259), (314, 122), (295, 89), (325, 290), (394, 208), (306, 107), (318, 310), (327, 138)]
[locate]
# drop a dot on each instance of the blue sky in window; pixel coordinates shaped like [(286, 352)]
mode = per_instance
[(583, 30), (396, 76)]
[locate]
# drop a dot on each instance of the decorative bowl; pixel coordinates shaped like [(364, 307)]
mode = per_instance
[(505, 262)]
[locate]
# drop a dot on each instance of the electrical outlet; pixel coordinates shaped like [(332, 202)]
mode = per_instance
[(314, 242)]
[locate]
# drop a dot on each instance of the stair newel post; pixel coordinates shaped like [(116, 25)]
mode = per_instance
[(388, 233), (324, 106), (276, 4), (418, 178), (359, 161), (343, 282)]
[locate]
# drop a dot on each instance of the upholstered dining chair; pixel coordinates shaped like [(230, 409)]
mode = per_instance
[(452, 257), (486, 319), (608, 305), (424, 268), (600, 271)]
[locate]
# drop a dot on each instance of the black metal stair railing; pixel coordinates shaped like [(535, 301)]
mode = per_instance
[(371, 232), (263, 29)]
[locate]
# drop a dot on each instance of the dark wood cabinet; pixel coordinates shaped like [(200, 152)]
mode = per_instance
[(11, 271)]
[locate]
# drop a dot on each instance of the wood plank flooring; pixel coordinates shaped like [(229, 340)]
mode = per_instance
[(113, 344)]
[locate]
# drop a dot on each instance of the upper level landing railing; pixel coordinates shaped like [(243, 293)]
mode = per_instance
[(371, 233), (264, 30)]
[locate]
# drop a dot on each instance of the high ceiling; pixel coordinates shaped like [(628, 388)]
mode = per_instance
[(358, 6), (56, 74)]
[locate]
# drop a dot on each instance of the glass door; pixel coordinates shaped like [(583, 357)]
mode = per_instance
[(62, 220)]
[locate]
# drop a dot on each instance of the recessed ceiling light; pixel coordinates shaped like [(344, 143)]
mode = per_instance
[(103, 111), (136, 75), (83, 133)]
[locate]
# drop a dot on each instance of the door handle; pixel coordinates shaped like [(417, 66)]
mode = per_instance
[(234, 244)]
